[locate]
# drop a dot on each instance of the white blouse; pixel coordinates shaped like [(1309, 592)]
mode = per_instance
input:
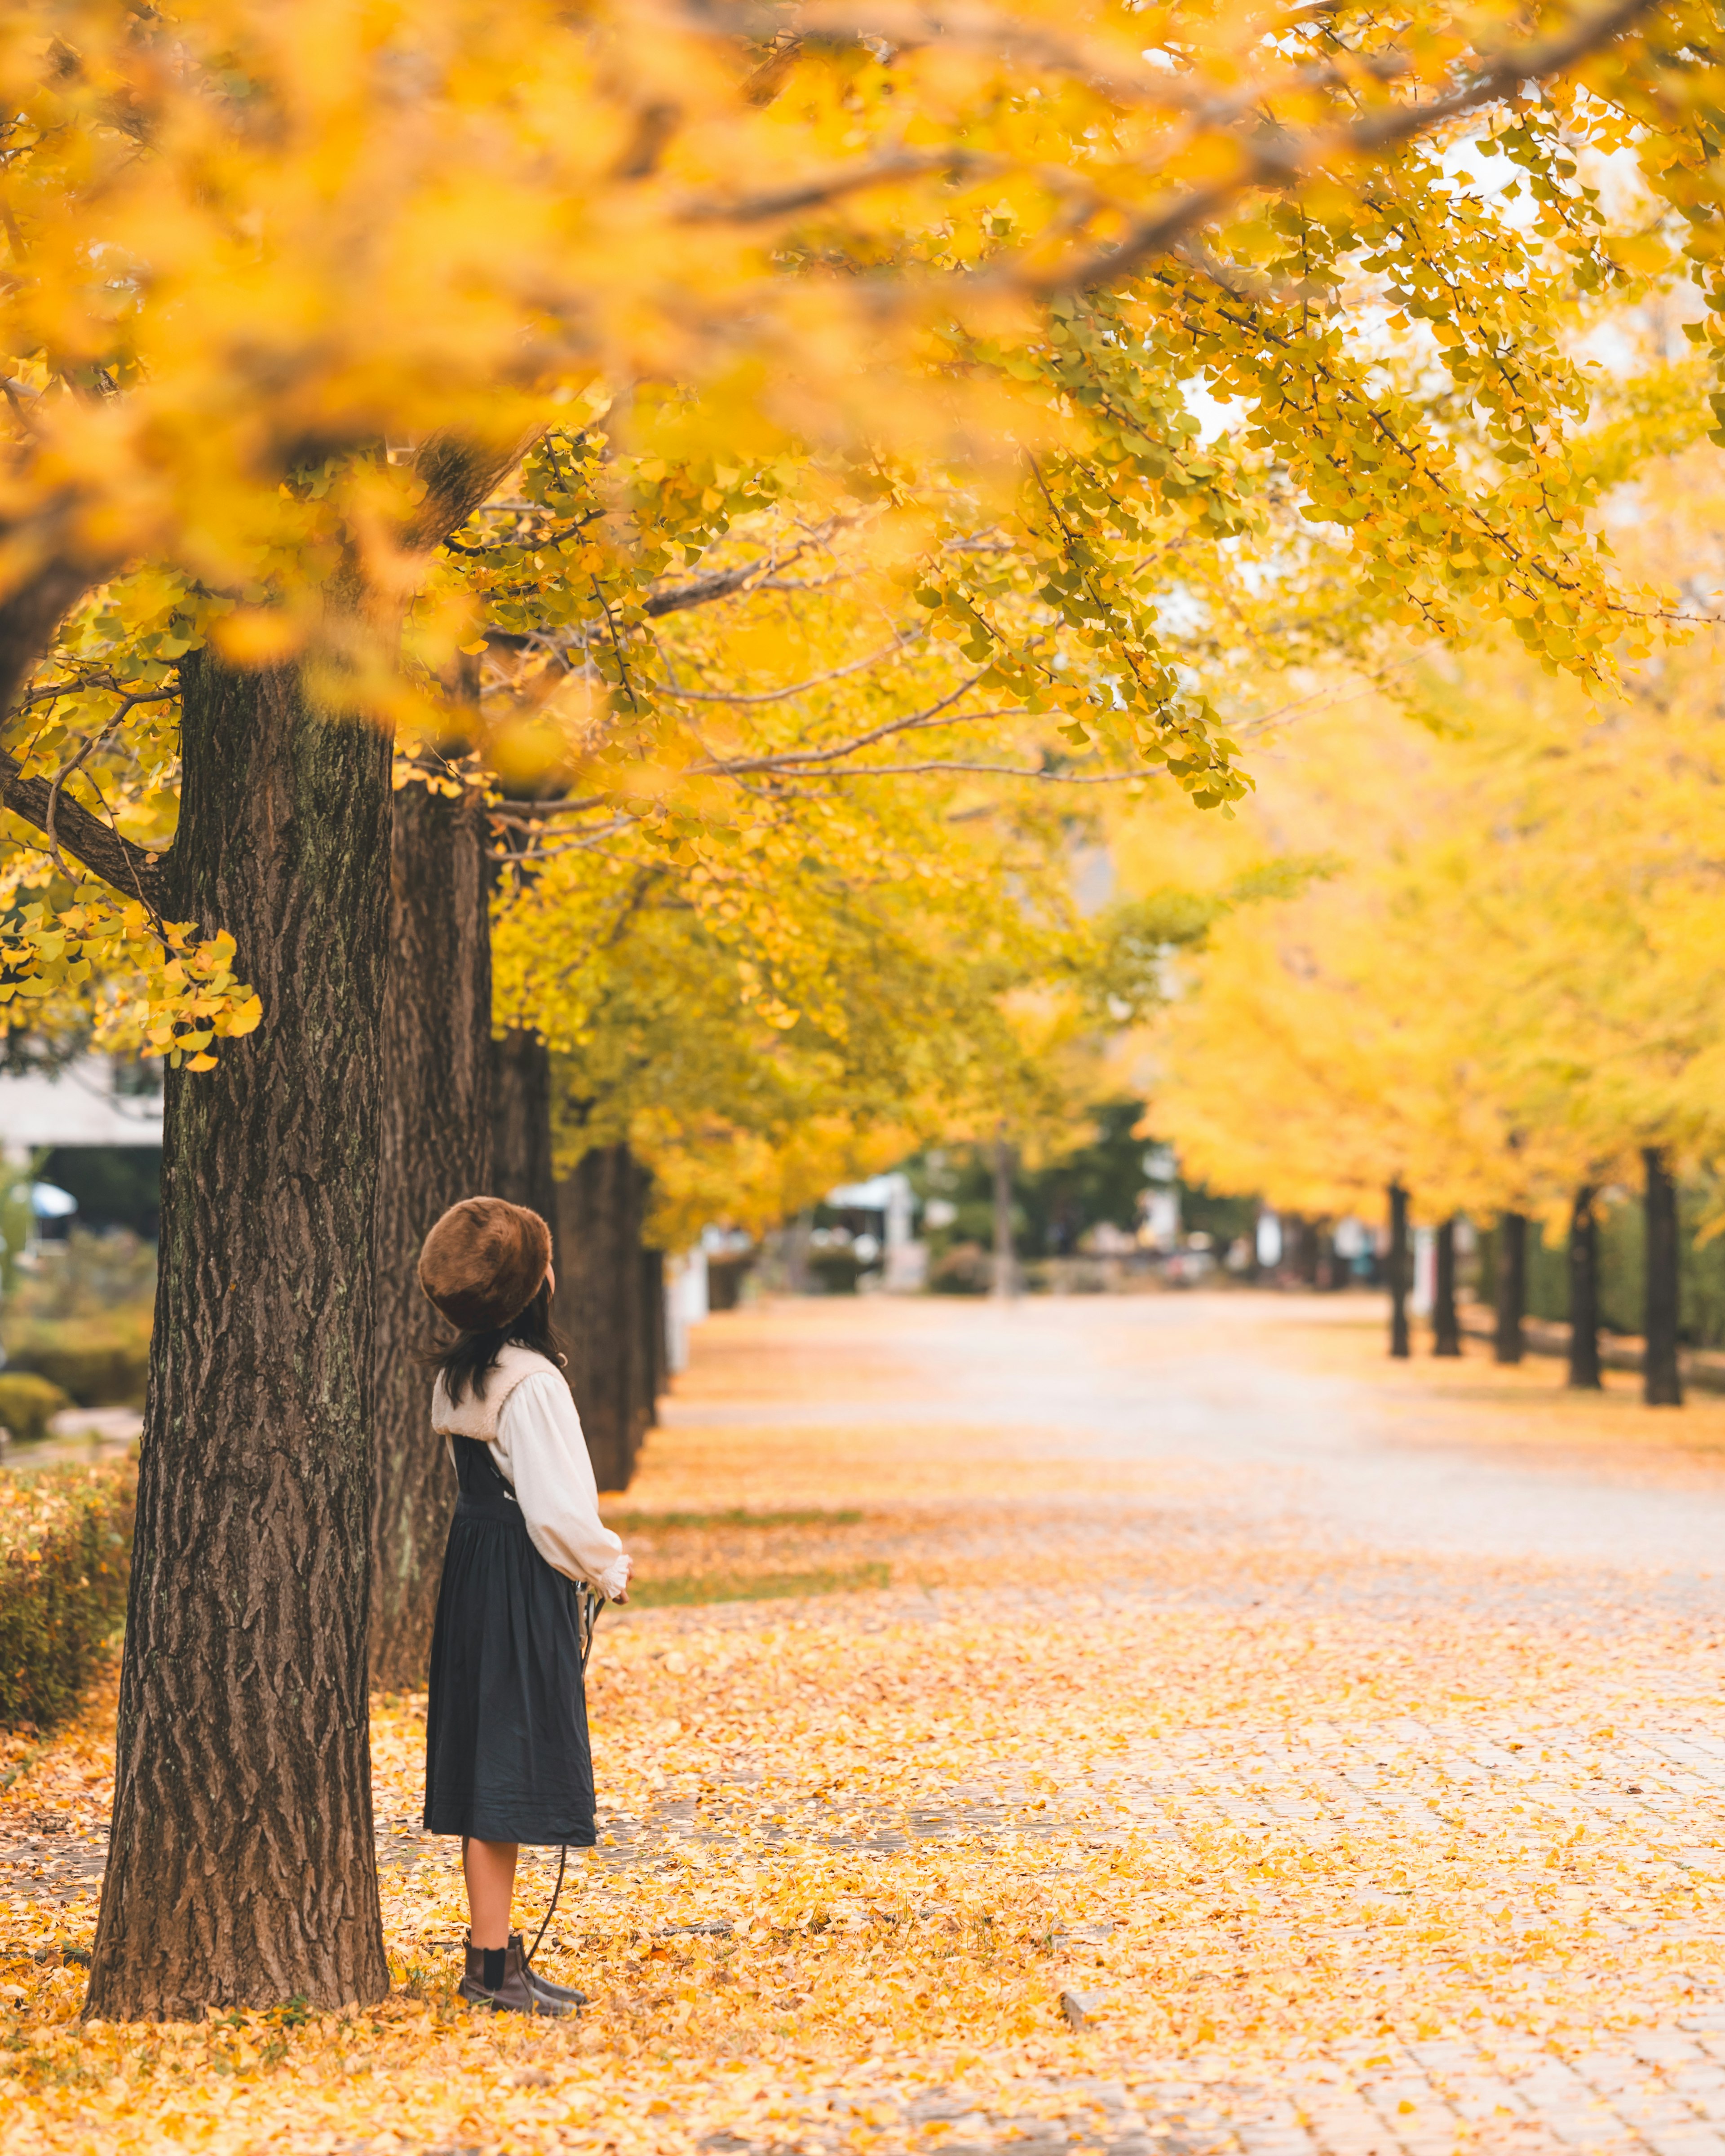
[(542, 1453)]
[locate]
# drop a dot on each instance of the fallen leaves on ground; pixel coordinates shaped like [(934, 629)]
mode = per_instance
[(1118, 1780)]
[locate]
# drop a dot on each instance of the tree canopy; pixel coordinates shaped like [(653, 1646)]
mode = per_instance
[(1509, 984), (292, 288)]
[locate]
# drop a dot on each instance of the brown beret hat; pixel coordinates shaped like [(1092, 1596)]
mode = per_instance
[(483, 1262)]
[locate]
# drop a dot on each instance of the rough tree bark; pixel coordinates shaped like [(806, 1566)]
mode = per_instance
[(1400, 1344), (1584, 1293), (1661, 1377), (1509, 1342), (1445, 1324), (599, 1306), (436, 1148), (242, 1870)]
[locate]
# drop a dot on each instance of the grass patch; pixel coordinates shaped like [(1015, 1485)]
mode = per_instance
[(739, 1516), (679, 1591)]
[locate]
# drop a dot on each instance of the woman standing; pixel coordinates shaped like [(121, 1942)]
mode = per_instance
[(506, 1755)]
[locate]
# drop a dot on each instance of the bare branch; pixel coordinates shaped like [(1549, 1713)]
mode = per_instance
[(1280, 162), (719, 585), (459, 473), (790, 763), (847, 180), (998, 771), (1112, 67), (130, 869), (1270, 158), (700, 591), (801, 762), (33, 608), (797, 688)]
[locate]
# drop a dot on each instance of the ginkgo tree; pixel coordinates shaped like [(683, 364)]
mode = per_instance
[(1506, 994), (293, 289)]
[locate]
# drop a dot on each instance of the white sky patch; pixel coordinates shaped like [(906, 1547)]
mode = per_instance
[(1215, 415)]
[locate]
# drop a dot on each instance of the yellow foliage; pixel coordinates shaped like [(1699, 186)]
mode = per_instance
[(1512, 982), (947, 309)]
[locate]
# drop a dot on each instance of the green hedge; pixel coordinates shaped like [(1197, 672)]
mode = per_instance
[(65, 1550), (26, 1402), (101, 1362)]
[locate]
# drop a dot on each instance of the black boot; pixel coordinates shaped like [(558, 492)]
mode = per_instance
[(560, 1995), (512, 1994)]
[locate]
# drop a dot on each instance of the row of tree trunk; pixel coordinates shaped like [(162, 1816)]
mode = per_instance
[(465, 1113), (1661, 1373)]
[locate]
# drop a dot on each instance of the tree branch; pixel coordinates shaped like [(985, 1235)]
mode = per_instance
[(820, 188), (459, 473), (1269, 159), (131, 870), (720, 585), (797, 688), (30, 614), (1279, 161), (996, 770)]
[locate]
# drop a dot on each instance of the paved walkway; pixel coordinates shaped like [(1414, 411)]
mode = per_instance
[(1254, 1455), (1255, 1747)]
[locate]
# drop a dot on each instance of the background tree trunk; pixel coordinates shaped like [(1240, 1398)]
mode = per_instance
[(1509, 1344), (1584, 1293), (652, 1330), (600, 1308), (1400, 1345), (241, 1870), (520, 1124), (1661, 1378), (1005, 1280), (1446, 1326), (436, 1149)]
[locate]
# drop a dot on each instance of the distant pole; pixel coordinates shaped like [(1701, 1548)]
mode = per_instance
[(1584, 1293), (1445, 1324), (796, 1254), (1400, 1346), (1006, 1281), (1661, 1379), (1510, 1343)]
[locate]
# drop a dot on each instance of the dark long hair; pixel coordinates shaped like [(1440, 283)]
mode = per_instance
[(470, 1358)]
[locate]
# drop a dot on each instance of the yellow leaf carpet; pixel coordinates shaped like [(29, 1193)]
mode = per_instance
[(1135, 1724)]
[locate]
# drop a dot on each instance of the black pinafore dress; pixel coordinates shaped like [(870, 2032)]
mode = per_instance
[(506, 1752)]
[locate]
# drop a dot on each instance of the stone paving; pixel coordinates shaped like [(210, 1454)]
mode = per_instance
[(1290, 1477), (1404, 1504)]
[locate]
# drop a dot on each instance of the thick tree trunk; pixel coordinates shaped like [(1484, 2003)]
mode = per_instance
[(599, 1306), (1005, 1282), (1584, 1293), (1400, 1344), (1445, 1324), (242, 1872), (1509, 1342), (436, 1149), (1661, 1379), (522, 1168)]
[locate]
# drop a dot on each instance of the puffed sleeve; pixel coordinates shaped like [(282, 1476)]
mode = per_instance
[(540, 1449)]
